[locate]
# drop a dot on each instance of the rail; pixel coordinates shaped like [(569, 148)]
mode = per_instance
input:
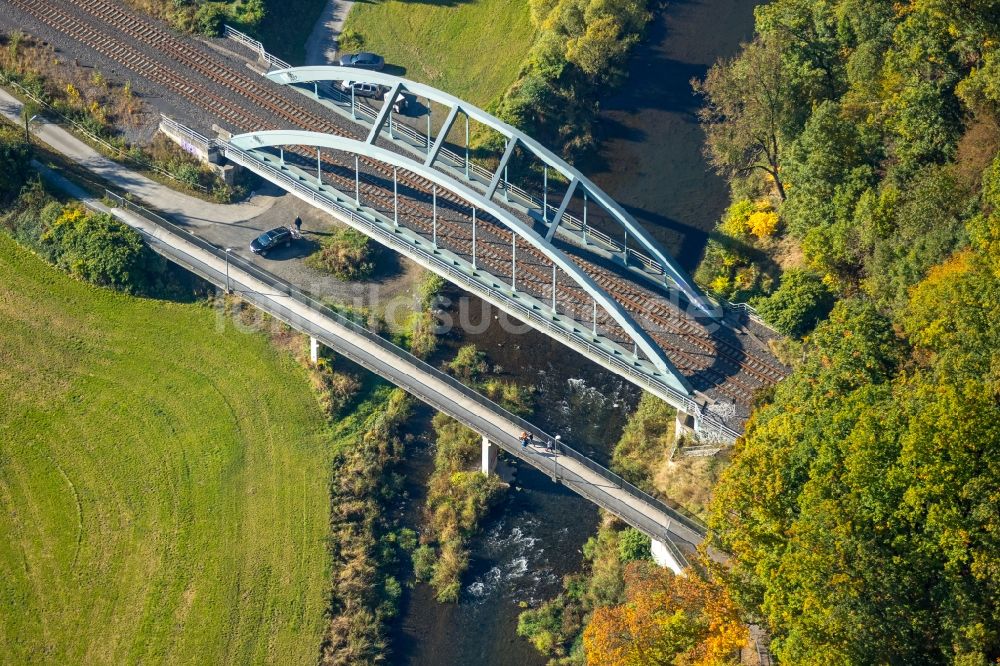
[(285, 288)]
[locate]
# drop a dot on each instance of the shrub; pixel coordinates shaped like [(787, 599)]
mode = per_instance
[(423, 334), (633, 545), (737, 215), (429, 289), (469, 363), (335, 389), (799, 303), (346, 254), (100, 249), (350, 40), (763, 224), (15, 163), (208, 19), (424, 559), (513, 397)]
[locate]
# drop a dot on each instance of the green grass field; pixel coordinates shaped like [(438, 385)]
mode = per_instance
[(469, 49), (163, 485)]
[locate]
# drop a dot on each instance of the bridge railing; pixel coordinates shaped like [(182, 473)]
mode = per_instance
[(285, 288), (189, 134), (254, 45)]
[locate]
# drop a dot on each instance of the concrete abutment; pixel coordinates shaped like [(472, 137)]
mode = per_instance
[(490, 453)]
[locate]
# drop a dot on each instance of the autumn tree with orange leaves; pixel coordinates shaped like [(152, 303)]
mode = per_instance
[(666, 619)]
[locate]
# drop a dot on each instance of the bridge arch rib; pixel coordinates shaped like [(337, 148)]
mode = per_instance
[(313, 74), (277, 138)]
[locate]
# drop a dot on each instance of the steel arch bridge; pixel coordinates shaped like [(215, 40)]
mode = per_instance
[(477, 191), (514, 138)]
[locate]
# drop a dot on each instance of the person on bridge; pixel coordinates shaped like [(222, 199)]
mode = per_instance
[(524, 440)]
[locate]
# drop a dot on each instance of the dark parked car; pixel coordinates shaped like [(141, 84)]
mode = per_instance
[(271, 239), (363, 60)]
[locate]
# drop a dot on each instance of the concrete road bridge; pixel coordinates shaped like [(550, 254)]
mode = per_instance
[(673, 534), (522, 229)]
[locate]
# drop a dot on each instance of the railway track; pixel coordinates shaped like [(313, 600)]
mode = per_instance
[(116, 33)]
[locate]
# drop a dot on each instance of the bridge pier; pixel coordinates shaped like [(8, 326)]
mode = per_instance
[(490, 451), (664, 557), (313, 350), (684, 425)]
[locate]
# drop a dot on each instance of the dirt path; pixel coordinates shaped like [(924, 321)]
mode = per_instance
[(321, 47)]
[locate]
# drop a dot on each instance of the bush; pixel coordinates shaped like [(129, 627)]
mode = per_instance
[(633, 545), (469, 363), (424, 559), (799, 303), (512, 397), (346, 254), (15, 163), (208, 19), (100, 249), (423, 334), (350, 40)]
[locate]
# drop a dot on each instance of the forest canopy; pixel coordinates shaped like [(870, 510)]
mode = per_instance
[(862, 505)]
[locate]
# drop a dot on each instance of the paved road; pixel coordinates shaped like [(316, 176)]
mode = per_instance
[(182, 207), (322, 45)]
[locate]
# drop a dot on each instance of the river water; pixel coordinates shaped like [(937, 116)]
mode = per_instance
[(651, 162)]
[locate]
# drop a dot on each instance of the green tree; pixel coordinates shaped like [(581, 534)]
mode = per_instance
[(15, 163), (828, 166), (746, 112), (856, 506), (798, 304), (633, 545)]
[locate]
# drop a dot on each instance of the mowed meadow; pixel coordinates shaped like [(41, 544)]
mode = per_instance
[(163, 483), (473, 50)]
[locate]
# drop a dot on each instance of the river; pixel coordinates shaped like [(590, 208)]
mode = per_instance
[(650, 159), (651, 162)]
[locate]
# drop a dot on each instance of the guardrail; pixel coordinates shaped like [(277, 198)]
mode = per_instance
[(246, 40), (285, 288), (188, 133)]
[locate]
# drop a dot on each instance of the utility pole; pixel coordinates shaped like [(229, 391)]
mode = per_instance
[(228, 289), (28, 111)]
